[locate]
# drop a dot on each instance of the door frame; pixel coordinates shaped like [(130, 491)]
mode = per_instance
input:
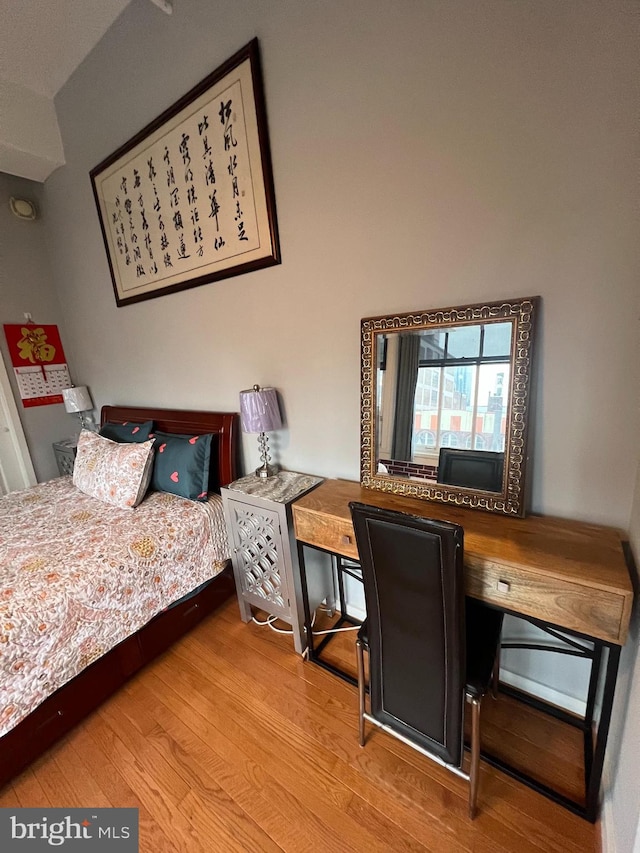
[(16, 432)]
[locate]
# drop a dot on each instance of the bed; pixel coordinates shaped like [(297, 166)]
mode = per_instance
[(146, 586)]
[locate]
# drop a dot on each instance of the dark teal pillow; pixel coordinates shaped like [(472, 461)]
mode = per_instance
[(181, 465), (127, 431)]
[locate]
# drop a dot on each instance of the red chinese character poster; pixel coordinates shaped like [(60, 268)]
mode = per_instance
[(39, 363)]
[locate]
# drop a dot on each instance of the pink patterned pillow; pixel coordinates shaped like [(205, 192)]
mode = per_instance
[(115, 473)]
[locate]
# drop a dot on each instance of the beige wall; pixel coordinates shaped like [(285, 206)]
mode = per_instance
[(425, 154), (622, 801), (26, 286)]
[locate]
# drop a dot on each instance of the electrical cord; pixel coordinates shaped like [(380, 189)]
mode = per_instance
[(336, 630), (267, 621), (271, 619)]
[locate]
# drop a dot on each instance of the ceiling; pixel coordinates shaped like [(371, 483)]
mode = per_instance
[(42, 42)]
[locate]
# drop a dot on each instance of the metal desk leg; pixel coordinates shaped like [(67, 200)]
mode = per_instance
[(595, 775), (305, 603), (313, 654)]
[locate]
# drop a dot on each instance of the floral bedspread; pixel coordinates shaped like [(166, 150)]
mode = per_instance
[(78, 576)]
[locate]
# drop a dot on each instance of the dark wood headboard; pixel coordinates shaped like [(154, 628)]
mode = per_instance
[(222, 424)]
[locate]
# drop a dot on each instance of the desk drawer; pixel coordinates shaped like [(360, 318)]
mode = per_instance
[(328, 532), (598, 613)]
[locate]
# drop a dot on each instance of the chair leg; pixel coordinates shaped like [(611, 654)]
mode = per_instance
[(475, 757), (361, 691)]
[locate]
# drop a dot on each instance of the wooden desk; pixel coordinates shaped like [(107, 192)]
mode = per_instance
[(557, 573), (567, 573)]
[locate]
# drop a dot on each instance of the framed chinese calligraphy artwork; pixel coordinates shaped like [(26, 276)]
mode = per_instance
[(190, 199)]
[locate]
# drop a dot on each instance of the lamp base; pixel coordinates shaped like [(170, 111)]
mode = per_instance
[(266, 470), (86, 422)]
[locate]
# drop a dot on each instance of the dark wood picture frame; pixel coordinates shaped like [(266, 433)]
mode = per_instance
[(190, 198)]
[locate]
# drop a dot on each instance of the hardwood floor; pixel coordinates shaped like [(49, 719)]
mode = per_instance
[(230, 742)]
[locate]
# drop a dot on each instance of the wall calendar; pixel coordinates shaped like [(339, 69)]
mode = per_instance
[(39, 363)]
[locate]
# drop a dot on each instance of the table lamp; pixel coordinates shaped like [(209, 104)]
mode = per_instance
[(260, 413), (77, 401)]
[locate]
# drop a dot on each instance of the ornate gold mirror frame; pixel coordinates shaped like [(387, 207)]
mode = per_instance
[(507, 408)]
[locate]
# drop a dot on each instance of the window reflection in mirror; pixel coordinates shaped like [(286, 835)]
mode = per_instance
[(442, 388), (455, 382)]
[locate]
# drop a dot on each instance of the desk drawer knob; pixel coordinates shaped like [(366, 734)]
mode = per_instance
[(503, 586), (346, 540)]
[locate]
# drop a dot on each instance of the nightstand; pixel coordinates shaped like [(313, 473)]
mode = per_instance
[(264, 552), (65, 453)]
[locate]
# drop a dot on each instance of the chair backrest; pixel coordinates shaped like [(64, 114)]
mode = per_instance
[(412, 569)]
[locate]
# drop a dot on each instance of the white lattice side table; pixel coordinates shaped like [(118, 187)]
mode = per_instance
[(65, 453), (263, 547)]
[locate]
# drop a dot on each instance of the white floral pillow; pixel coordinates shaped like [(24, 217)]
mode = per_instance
[(115, 473)]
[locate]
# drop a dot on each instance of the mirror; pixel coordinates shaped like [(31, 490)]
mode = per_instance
[(445, 400)]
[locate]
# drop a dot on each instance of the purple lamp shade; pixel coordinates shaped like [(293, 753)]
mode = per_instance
[(259, 410)]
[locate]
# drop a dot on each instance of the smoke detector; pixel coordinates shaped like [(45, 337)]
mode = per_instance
[(22, 208)]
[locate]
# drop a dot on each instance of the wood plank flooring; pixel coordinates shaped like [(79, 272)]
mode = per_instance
[(535, 743), (230, 742)]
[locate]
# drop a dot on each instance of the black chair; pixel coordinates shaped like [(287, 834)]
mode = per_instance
[(429, 647)]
